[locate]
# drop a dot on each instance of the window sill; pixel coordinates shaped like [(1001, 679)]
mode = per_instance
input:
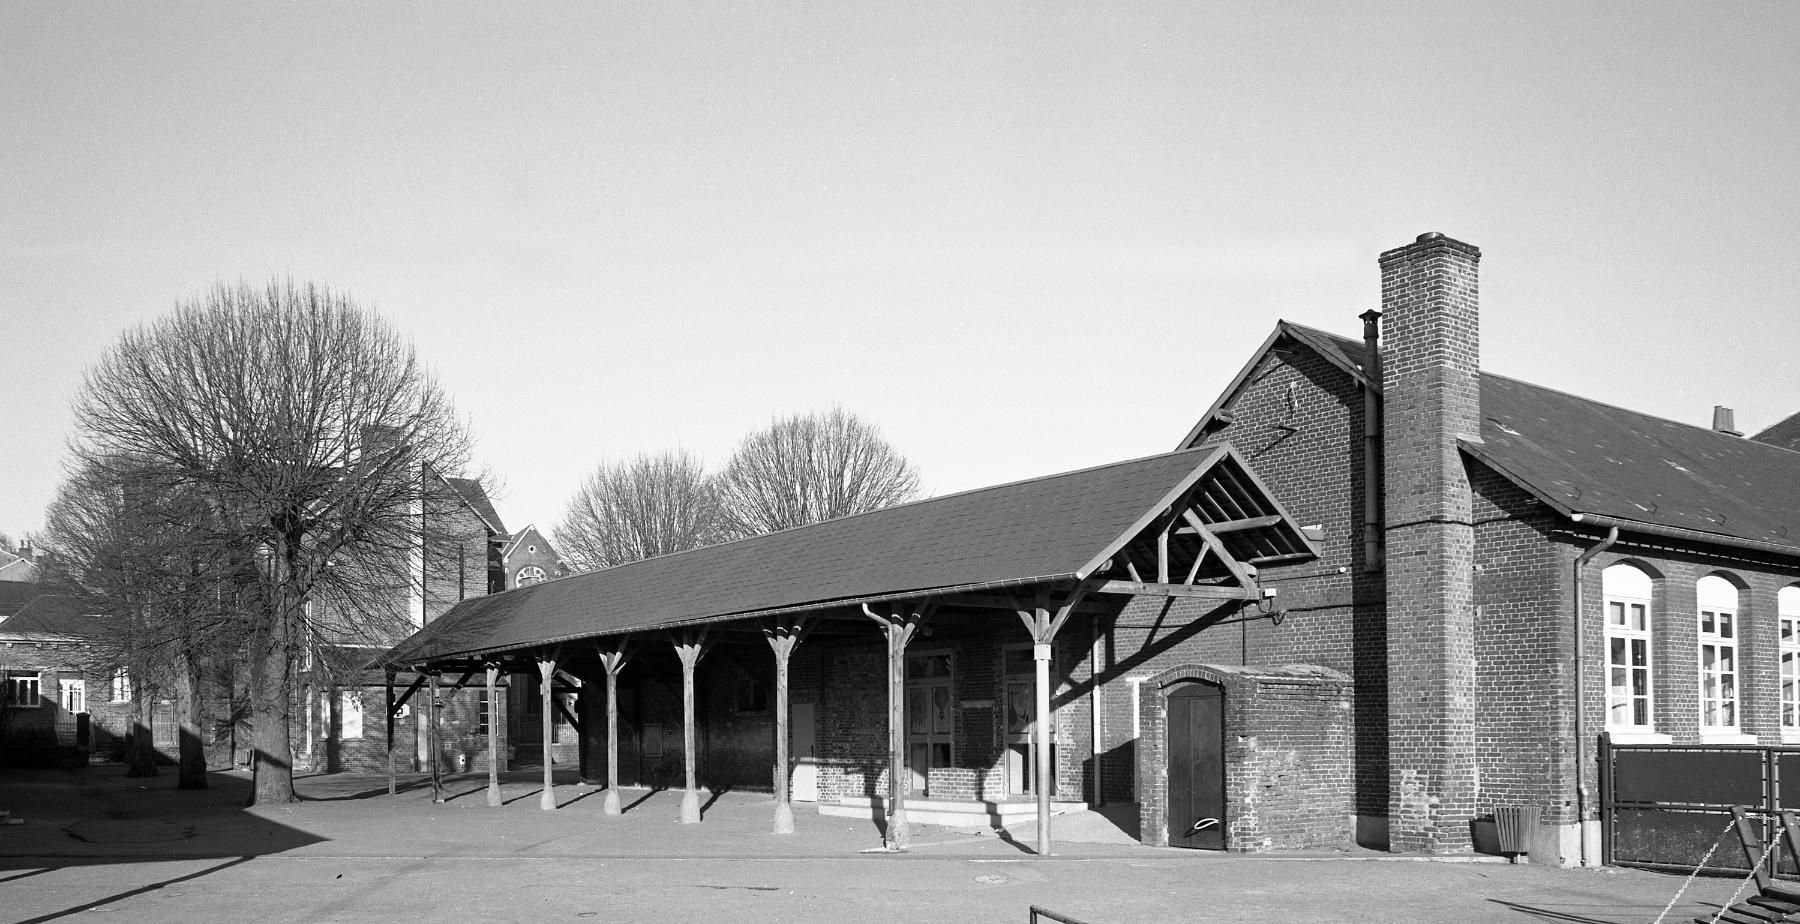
[(1637, 737), (1790, 736), (1725, 737)]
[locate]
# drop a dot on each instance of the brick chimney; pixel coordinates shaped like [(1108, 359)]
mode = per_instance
[(1430, 399)]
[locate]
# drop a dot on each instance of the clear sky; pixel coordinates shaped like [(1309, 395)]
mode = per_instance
[(1020, 237)]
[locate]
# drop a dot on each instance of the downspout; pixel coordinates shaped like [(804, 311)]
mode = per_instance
[(1372, 486), (1581, 786)]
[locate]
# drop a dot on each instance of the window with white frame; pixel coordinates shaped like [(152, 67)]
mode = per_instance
[(21, 690), (121, 686), (1627, 594), (350, 715), (1718, 605), (72, 695), (1787, 608)]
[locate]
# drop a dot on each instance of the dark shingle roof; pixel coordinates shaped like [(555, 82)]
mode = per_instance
[(41, 615), (1785, 434), (1583, 456), (1057, 527)]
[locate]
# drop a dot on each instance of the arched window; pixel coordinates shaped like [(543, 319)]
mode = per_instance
[(1718, 605), (530, 574), (1627, 591), (1787, 608)]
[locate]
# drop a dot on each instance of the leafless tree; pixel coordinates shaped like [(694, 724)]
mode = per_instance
[(315, 438), (642, 508), (156, 592), (809, 468)]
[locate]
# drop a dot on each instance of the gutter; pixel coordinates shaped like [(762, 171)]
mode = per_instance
[(1691, 535), (1581, 786)]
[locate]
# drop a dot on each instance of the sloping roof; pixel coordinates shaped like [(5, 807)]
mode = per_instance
[(14, 595), (476, 497), (1582, 456), (1346, 354), (518, 537), (45, 616), (1061, 527), (1785, 434)]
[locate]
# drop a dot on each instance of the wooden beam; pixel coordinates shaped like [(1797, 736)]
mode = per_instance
[(1231, 564), (1232, 526), (431, 742), (614, 660), (898, 625), (493, 733), (783, 638), (690, 646), (546, 690), (390, 732), (1043, 620), (394, 707), (1199, 591)]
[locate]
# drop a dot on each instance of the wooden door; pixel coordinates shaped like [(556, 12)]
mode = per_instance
[(1197, 766)]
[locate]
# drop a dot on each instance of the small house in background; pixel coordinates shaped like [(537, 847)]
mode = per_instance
[(19, 565), (529, 558), (60, 698)]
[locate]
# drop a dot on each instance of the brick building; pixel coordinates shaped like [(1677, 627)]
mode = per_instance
[(1374, 595)]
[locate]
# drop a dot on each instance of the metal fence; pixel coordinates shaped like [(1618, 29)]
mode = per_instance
[(1666, 806)]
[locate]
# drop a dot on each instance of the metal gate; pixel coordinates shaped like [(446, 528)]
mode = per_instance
[(1664, 806)]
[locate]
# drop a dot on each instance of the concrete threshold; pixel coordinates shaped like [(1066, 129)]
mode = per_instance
[(950, 813)]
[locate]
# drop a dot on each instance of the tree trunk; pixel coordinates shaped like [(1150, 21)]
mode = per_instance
[(140, 751), (271, 676), (188, 710)]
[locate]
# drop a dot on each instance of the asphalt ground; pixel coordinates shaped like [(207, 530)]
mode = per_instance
[(96, 843)]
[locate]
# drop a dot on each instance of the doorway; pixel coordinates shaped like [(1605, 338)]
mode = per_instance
[(1019, 702), (930, 722), (1196, 738)]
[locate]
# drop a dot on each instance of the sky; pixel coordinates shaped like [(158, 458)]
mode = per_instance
[(1021, 238)]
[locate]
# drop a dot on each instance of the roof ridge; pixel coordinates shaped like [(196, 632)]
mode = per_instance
[(912, 503), (1737, 440)]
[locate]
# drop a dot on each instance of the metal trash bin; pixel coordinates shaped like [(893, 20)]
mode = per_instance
[(1513, 827)]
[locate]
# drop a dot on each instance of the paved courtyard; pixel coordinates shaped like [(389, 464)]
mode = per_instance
[(97, 843)]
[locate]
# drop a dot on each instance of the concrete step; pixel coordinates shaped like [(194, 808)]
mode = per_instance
[(951, 813)]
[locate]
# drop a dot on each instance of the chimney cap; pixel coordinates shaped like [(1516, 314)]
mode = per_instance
[(1430, 236), (1724, 422)]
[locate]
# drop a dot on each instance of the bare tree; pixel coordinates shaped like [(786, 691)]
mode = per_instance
[(314, 437), (642, 508), (809, 468), (140, 560)]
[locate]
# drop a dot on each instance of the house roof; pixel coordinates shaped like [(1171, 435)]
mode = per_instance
[(1060, 527), (1785, 434), (476, 497), (518, 537), (38, 615), (17, 570), (1582, 456)]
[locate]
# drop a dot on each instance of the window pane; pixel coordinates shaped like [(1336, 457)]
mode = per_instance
[(1640, 653), (1638, 620), (1615, 613)]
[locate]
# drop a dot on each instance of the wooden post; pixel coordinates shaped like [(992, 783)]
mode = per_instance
[(390, 731), (614, 660), (1043, 622), (898, 626), (782, 639), (493, 732), (547, 671), (690, 647), (431, 743)]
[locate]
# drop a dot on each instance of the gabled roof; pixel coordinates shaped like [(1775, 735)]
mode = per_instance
[(18, 570), (473, 494), (1785, 434), (1057, 528), (1582, 456), (518, 537), (1348, 355)]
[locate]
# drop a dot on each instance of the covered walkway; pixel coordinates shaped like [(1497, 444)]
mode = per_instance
[(1196, 524)]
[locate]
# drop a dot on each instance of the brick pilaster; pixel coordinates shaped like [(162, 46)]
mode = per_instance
[(1431, 399)]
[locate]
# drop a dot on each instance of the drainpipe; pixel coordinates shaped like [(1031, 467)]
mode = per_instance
[(1581, 786), (1372, 487)]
